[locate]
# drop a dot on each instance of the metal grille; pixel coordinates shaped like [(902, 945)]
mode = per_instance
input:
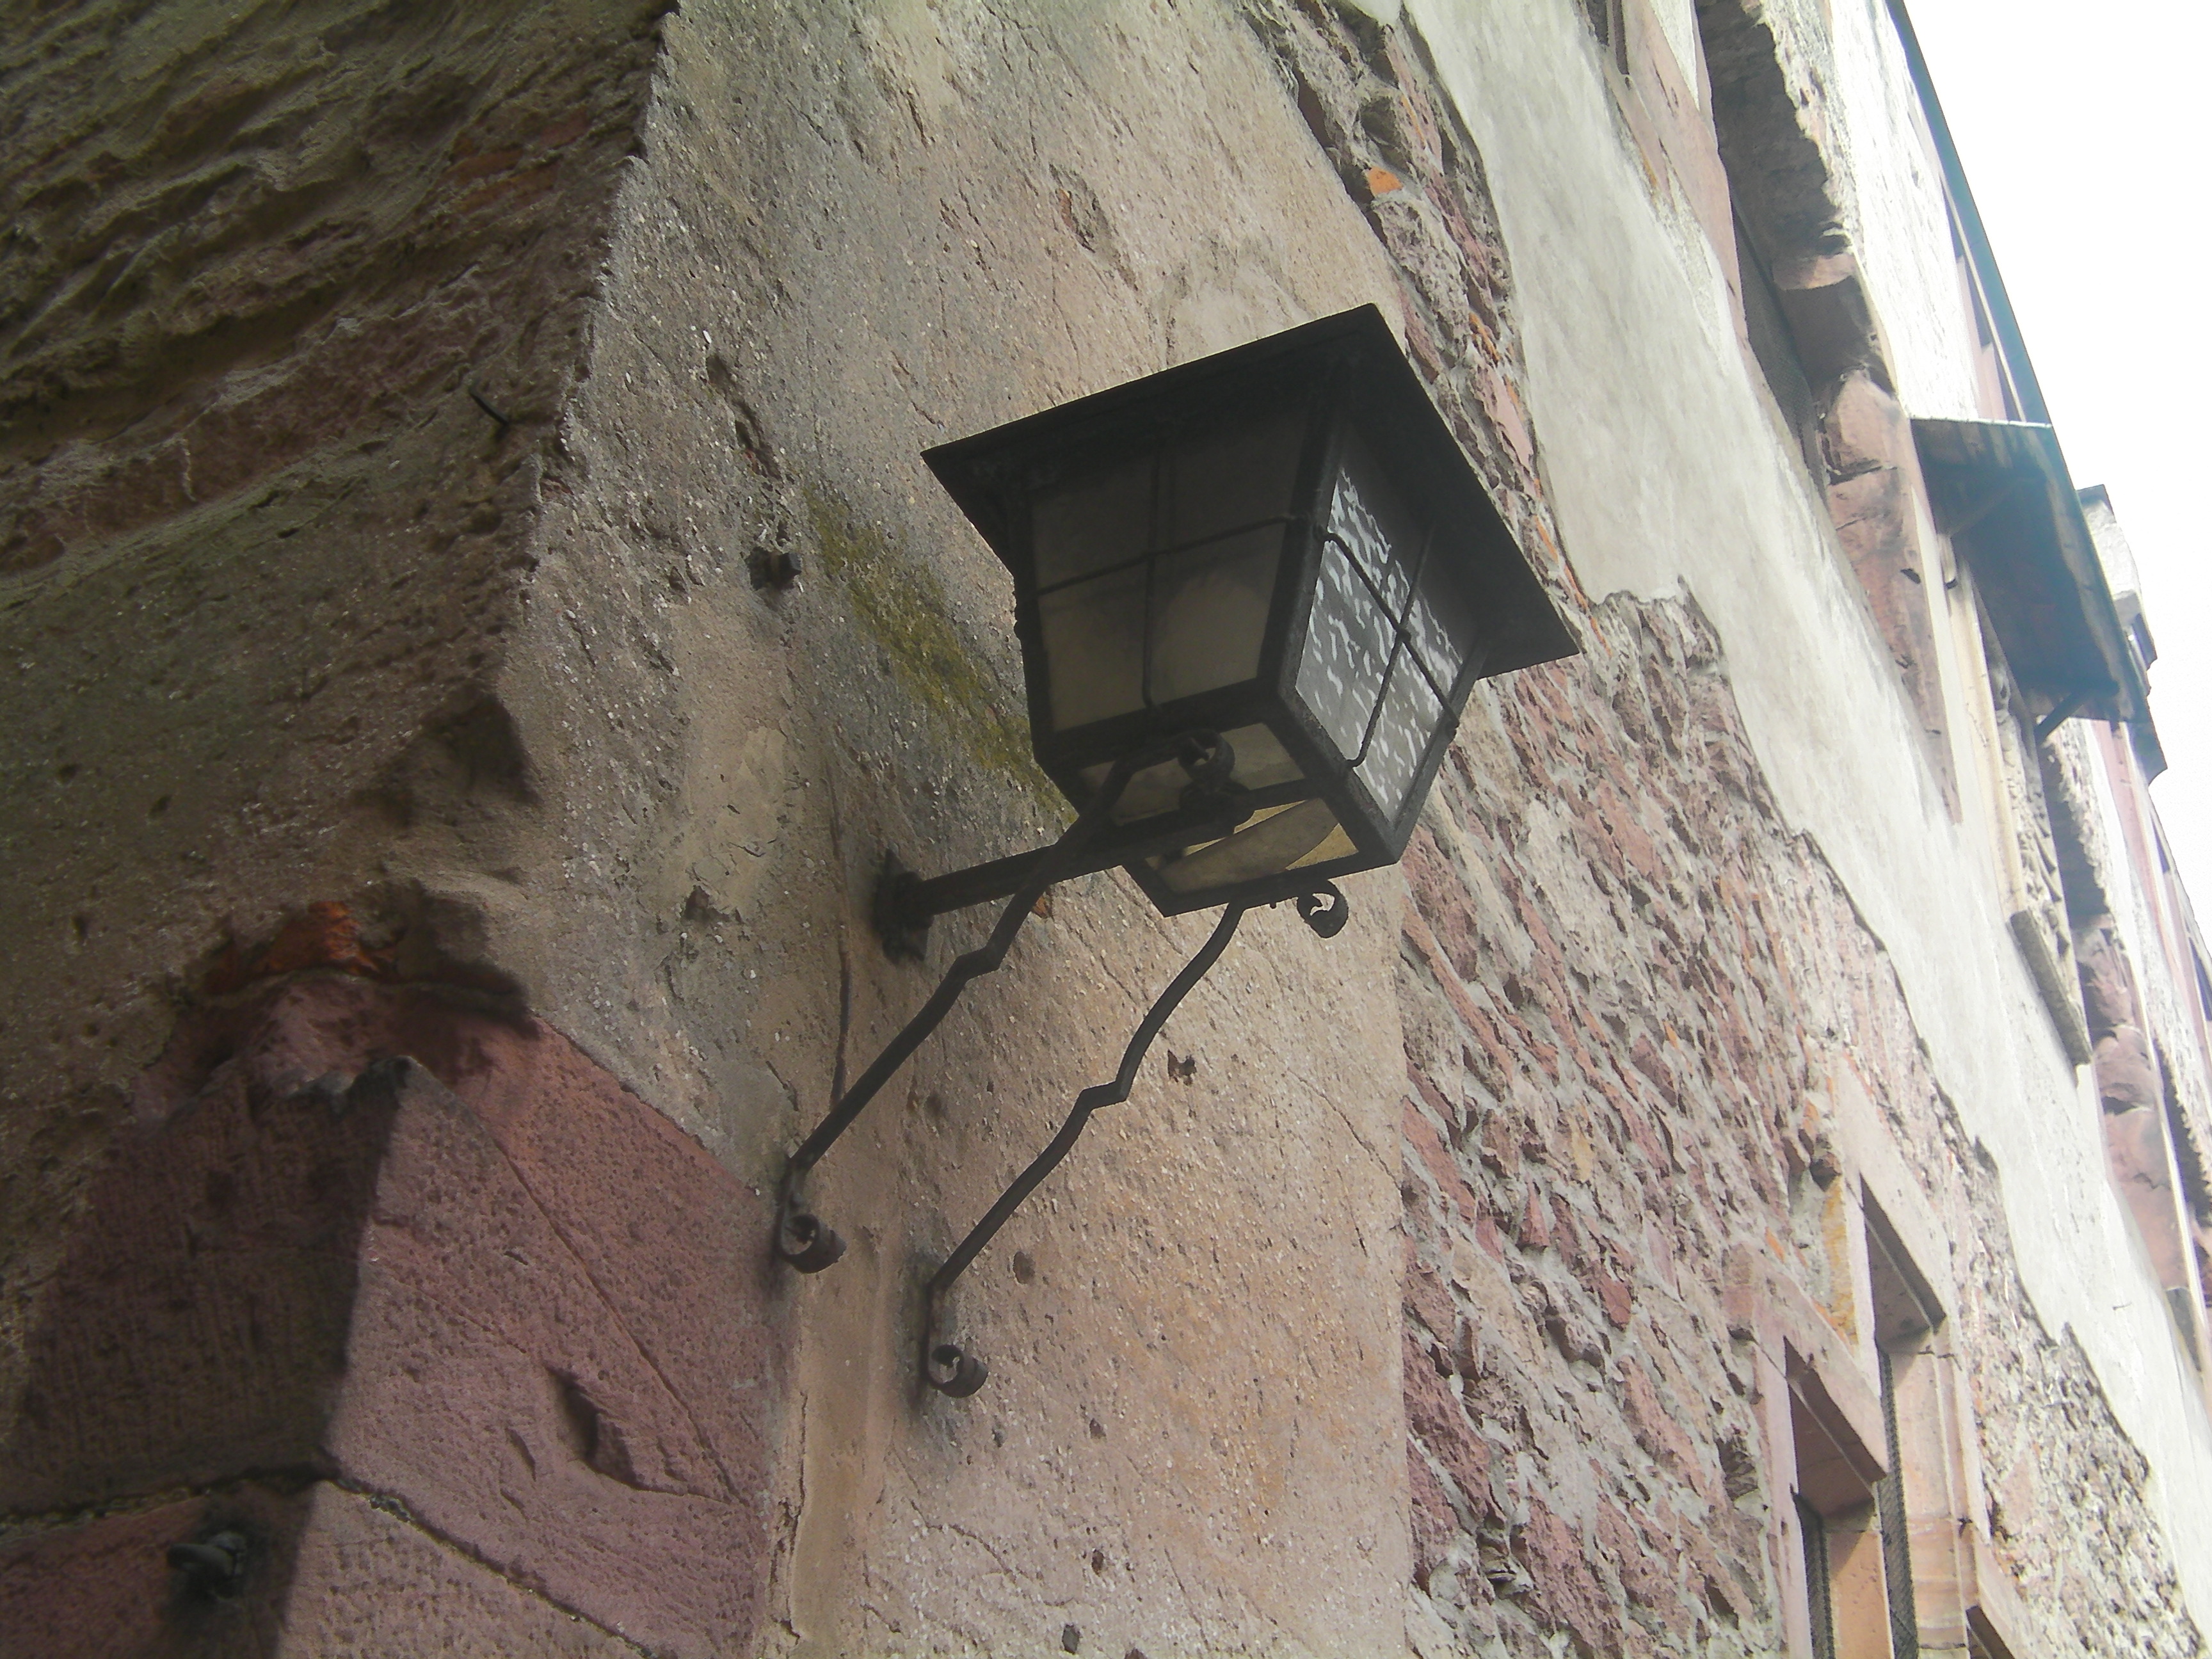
[(1896, 1544), (1820, 1604)]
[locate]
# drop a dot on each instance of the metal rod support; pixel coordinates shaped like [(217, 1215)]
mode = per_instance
[(948, 1369), (802, 1241), (912, 902), (2068, 707)]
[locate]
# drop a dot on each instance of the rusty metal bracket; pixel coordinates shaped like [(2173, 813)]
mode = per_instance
[(802, 1240), (946, 1365)]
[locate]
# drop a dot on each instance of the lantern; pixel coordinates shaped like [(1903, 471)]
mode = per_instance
[(1282, 544), (1252, 595)]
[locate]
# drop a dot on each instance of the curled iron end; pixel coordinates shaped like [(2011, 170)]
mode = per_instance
[(1207, 760), (954, 1373), (806, 1244), (1325, 910), (212, 1566)]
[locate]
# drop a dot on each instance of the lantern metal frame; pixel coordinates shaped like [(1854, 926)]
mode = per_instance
[(1344, 375), (1346, 380)]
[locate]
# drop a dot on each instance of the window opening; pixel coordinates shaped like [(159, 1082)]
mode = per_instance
[(1819, 1594), (1846, 1599), (1896, 1531), (1905, 1314)]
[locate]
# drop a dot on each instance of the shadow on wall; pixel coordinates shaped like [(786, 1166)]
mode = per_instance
[(383, 1269)]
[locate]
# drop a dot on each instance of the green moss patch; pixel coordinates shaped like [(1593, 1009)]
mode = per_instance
[(904, 609)]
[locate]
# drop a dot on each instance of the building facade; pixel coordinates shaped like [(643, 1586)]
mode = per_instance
[(477, 620)]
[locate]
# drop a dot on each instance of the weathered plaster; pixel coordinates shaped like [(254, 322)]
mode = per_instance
[(1667, 475), (1439, 1284)]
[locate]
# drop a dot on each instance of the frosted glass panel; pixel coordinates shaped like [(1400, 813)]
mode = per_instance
[(1440, 625), (1102, 518), (1335, 845), (1094, 647), (1348, 648), (1366, 516), (1431, 621), (1411, 714), (1267, 846), (1261, 761), (1210, 613)]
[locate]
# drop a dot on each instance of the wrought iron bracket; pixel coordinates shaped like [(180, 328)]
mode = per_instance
[(946, 1365), (906, 902), (2066, 708), (1210, 808)]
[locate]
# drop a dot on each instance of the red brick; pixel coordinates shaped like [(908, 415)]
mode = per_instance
[(1534, 1232), (1435, 1527), (1428, 1300), (1613, 1293), (1437, 1421), (1427, 1144), (1645, 1574), (531, 1310), (1658, 1428), (1566, 1588)]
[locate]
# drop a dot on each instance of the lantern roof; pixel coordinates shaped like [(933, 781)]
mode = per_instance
[(990, 475)]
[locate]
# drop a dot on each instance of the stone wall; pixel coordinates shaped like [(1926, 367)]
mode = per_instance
[(1626, 986), (454, 1332), (293, 298), (477, 620), (263, 544)]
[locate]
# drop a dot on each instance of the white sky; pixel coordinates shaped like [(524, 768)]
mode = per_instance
[(2080, 127)]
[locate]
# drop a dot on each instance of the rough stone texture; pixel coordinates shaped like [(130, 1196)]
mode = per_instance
[(366, 1581), (259, 548), (528, 1317), (334, 1574), (722, 767), (1423, 1291), (104, 1588), (1866, 443), (1617, 961), (1789, 179)]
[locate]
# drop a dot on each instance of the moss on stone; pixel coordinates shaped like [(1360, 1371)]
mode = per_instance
[(904, 609)]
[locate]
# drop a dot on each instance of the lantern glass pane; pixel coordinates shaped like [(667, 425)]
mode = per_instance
[(1279, 839), (1412, 712), (1209, 613), (1385, 608), (1347, 649), (1194, 529), (1261, 761), (1094, 646), (1239, 475), (1368, 520), (1440, 625), (1093, 522)]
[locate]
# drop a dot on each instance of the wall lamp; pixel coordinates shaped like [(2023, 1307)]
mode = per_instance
[(1253, 594)]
